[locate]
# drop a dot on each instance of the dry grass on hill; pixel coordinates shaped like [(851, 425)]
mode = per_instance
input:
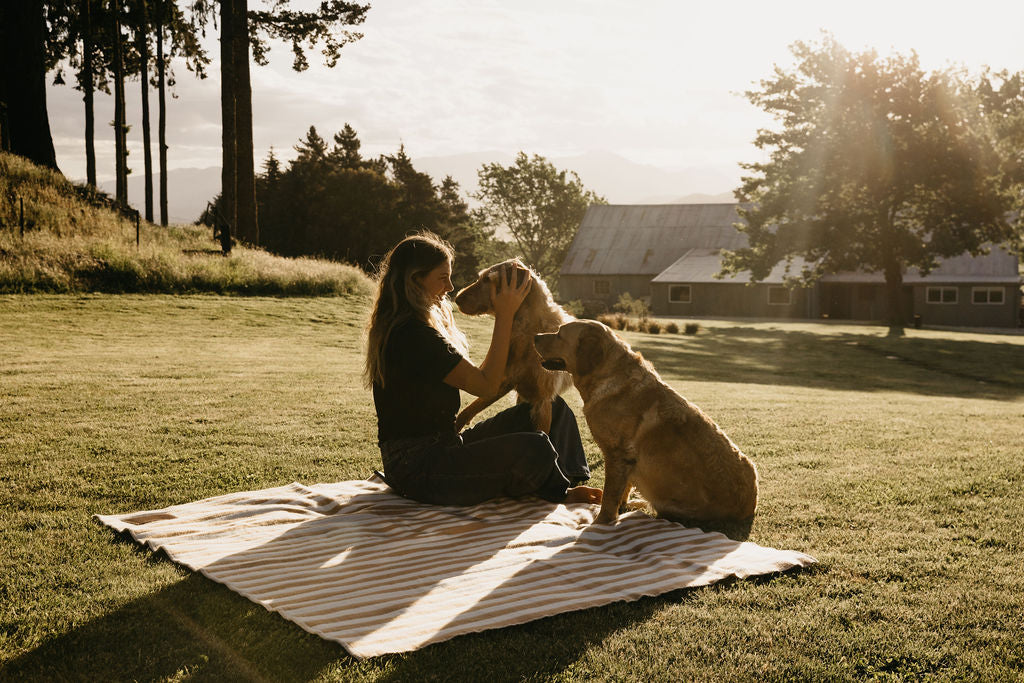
[(73, 242)]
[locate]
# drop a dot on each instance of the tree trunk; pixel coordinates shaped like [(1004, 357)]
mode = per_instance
[(161, 140), (147, 156), (120, 151), (23, 116), (87, 97), (894, 295), (245, 184), (228, 171)]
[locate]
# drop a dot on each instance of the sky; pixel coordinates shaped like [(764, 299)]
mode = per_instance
[(657, 82)]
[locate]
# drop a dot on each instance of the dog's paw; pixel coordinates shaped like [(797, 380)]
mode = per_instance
[(606, 518)]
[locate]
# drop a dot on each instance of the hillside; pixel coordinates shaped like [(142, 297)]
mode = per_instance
[(56, 236)]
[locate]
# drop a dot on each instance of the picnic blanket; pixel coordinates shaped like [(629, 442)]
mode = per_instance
[(355, 563)]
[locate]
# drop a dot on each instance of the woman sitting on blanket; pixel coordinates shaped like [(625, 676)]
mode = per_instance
[(416, 364)]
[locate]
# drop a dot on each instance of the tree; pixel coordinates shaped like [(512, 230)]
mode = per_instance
[(1002, 99), (877, 166), (240, 30), (87, 84), (541, 206), (142, 41), (81, 35), (229, 116), (346, 148), (333, 203), (473, 242), (24, 123), (161, 125), (120, 125)]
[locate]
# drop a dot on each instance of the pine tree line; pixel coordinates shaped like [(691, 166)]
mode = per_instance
[(333, 202)]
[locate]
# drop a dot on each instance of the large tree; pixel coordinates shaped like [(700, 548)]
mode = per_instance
[(538, 204), (876, 166), (242, 30), (120, 123), (142, 31), (24, 123), (1002, 98)]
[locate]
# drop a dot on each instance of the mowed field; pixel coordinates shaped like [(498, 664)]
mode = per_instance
[(897, 462)]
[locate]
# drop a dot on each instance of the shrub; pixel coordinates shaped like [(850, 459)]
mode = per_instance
[(637, 308), (592, 309), (616, 322), (652, 327), (692, 328), (672, 328)]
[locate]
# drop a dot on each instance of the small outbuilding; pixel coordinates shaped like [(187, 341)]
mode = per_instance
[(670, 254)]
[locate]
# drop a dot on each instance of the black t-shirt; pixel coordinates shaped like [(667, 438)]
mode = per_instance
[(414, 400)]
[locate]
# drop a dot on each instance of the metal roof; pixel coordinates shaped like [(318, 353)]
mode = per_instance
[(682, 243), (617, 239), (997, 267), (701, 265)]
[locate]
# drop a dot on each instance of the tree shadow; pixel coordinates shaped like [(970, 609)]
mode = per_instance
[(549, 647), (928, 366), (199, 629), (195, 629)]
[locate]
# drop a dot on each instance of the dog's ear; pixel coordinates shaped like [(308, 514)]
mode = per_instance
[(589, 352)]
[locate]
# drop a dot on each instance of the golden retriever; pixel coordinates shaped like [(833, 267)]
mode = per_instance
[(652, 438), (523, 373)]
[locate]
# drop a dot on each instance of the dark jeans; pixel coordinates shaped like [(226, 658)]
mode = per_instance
[(500, 456)]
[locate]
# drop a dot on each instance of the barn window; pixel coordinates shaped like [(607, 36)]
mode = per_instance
[(780, 296), (679, 294), (602, 287), (987, 295), (942, 295)]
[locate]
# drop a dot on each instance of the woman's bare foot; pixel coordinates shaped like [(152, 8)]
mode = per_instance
[(583, 494)]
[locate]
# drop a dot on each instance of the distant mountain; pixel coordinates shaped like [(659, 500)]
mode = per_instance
[(616, 178), (188, 190)]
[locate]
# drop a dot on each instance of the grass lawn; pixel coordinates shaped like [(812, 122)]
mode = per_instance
[(896, 462)]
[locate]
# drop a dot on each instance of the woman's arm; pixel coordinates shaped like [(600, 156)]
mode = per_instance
[(485, 380)]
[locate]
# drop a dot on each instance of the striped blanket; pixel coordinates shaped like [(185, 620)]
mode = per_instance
[(356, 564)]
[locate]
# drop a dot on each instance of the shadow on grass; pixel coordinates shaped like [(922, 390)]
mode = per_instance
[(194, 629), (198, 629), (938, 367), (546, 648)]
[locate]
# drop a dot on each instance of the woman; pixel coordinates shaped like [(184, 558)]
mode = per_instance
[(416, 364)]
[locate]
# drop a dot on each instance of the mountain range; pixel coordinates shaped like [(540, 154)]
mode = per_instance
[(617, 179)]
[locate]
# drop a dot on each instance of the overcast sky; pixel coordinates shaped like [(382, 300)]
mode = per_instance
[(655, 81)]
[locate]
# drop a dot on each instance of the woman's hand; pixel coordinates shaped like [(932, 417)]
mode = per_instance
[(506, 295)]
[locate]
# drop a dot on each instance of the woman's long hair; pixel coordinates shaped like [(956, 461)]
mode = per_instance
[(401, 297)]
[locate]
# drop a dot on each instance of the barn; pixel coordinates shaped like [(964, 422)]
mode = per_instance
[(669, 255)]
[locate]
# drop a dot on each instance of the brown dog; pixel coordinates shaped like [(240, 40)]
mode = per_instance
[(523, 373), (652, 438)]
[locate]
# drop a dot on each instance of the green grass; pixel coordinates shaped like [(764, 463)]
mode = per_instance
[(896, 462), (72, 242)]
